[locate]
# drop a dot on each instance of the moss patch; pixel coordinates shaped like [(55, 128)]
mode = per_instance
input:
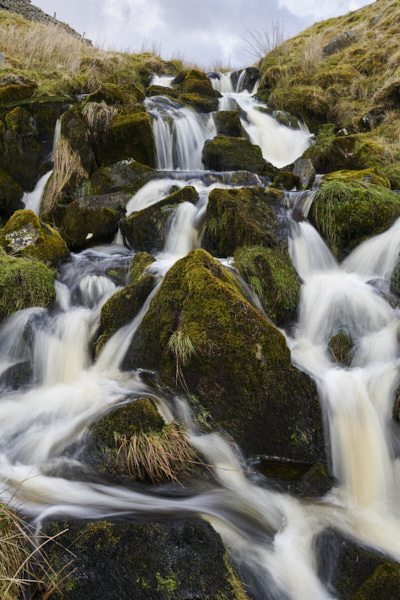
[(225, 153), (24, 283)]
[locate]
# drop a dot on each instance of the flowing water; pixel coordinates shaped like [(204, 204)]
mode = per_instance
[(44, 423)]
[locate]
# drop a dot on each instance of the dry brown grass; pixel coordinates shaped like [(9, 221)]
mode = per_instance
[(159, 456), (62, 63), (311, 53), (99, 114), (67, 164)]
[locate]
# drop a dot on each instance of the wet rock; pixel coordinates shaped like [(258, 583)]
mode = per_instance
[(124, 305), (251, 76), (228, 123), (24, 283), (113, 94), (17, 376), (347, 209), (201, 104), (125, 176), (241, 217), (128, 135), (285, 180), (372, 119), (121, 561), (159, 90), (195, 82), (270, 274), (146, 230), (225, 153), (10, 196), (339, 43), (353, 572), (25, 235), (341, 346), (304, 170), (90, 219), (232, 358)]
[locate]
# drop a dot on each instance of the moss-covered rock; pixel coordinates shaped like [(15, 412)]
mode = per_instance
[(10, 195), (75, 131), (241, 217), (25, 235), (89, 219), (341, 346), (128, 135), (195, 82), (24, 283), (225, 153), (270, 274), (201, 104), (370, 175), (16, 87), (125, 176), (347, 211), (228, 123), (285, 180), (200, 327), (121, 561), (304, 169), (353, 572), (113, 94), (147, 229), (159, 90)]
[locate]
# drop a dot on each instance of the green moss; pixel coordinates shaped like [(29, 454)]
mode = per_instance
[(10, 91), (384, 583), (132, 419), (202, 104), (130, 135), (346, 212), (19, 121), (311, 103), (146, 230), (24, 283), (341, 348), (372, 176), (25, 235), (225, 153), (271, 275), (138, 266), (286, 180), (196, 82), (228, 123), (112, 94), (239, 217), (240, 368)]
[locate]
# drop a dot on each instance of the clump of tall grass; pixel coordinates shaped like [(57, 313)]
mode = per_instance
[(266, 40), (182, 348), (21, 556), (67, 164), (99, 114), (159, 456)]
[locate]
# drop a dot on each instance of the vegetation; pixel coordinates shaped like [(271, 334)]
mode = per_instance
[(61, 63), (354, 88), (24, 283)]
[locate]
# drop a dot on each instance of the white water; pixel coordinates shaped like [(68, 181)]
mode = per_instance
[(270, 534)]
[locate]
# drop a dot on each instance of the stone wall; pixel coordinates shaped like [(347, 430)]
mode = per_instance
[(33, 13)]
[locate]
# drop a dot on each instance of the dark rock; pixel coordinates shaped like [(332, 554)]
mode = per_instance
[(285, 180), (339, 43), (341, 347), (241, 217), (225, 153), (121, 561), (228, 123), (146, 230), (10, 196), (252, 75), (125, 176), (237, 362), (75, 131), (17, 376), (16, 87), (351, 571)]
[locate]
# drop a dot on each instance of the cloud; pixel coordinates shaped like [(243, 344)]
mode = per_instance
[(321, 10)]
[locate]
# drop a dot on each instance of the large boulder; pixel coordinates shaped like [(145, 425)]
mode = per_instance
[(147, 229), (239, 217), (75, 131), (228, 123), (351, 571), (125, 176), (128, 135), (24, 283), (16, 87), (121, 561), (201, 331), (350, 207), (339, 43), (89, 219), (225, 153), (195, 82), (25, 235)]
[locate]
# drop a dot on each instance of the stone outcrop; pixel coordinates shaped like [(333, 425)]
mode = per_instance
[(33, 13)]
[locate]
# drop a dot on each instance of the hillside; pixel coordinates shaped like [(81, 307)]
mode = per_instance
[(354, 84)]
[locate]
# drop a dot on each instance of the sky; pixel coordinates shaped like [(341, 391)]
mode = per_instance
[(205, 32)]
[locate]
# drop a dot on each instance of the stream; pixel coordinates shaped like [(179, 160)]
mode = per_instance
[(270, 534)]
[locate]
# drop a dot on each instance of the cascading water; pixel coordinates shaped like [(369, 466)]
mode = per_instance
[(270, 534)]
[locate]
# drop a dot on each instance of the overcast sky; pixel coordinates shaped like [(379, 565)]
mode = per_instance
[(204, 31)]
